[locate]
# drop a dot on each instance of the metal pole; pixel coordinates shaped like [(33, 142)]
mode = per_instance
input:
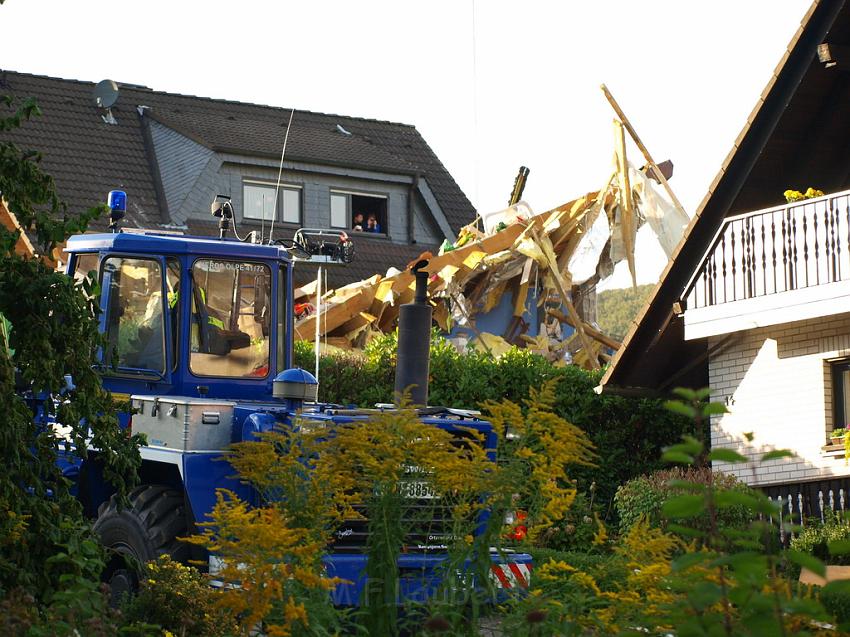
[(318, 317)]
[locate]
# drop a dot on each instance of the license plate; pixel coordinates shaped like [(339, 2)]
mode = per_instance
[(417, 489)]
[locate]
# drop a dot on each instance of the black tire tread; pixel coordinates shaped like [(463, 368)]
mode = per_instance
[(161, 511)]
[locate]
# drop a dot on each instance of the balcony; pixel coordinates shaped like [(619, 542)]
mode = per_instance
[(773, 266)]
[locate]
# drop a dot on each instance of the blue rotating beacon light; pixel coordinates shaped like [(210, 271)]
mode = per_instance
[(117, 202)]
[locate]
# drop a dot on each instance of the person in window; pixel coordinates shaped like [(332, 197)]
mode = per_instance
[(358, 222), (372, 224)]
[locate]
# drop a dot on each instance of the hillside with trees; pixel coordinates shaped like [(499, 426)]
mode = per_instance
[(616, 309)]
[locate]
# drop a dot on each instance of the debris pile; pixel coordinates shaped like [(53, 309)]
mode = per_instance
[(547, 264)]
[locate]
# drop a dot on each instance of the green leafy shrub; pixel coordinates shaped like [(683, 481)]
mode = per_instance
[(341, 376), (178, 598), (80, 607), (18, 612), (646, 495), (628, 433), (836, 601), (578, 529), (463, 380), (815, 537), (48, 553), (705, 585)]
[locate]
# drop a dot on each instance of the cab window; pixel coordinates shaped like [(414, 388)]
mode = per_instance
[(231, 315), (135, 329), (86, 262)]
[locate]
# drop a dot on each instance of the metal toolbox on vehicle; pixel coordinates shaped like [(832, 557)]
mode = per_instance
[(183, 423)]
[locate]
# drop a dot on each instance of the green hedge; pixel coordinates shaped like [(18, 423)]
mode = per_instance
[(456, 380), (628, 433), (646, 495)]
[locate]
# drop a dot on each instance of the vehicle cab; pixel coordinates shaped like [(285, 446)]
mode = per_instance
[(189, 316)]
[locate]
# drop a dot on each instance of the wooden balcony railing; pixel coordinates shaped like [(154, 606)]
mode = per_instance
[(796, 246)]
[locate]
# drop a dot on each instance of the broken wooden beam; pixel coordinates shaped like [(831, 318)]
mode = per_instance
[(521, 293), (640, 145), (603, 338), (333, 315), (562, 287), (628, 223)]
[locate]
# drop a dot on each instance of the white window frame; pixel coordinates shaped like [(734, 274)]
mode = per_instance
[(349, 213), (281, 208)]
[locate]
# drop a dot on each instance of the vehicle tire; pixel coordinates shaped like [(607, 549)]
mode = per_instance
[(142, 532)]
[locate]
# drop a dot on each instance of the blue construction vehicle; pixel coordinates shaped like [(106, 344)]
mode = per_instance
[(199, 338)]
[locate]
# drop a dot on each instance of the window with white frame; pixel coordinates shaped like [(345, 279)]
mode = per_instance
[(840, 394), (339, 211), (258, 202), (360, 212)]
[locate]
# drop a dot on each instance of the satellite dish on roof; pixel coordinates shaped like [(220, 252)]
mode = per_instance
[(105, 93)]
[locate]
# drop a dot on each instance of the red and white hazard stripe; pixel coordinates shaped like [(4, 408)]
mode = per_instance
[(511, 575)]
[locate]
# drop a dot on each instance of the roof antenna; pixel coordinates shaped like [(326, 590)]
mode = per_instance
[(105, 95), (280, 170)]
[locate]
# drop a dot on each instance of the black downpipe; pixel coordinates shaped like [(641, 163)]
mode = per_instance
[(414, 342), (411, 210)]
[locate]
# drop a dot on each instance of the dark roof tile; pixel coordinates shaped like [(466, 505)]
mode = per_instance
[(88, 157)]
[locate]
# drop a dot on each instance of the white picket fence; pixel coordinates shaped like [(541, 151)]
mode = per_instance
[(796, 510)]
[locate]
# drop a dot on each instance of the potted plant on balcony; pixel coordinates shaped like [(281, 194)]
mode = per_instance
[(792, 196), (837, 436)]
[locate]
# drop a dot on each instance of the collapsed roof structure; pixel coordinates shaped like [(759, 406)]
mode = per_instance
[(536, 268)]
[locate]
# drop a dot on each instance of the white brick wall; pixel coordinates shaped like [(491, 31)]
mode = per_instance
[(776, 384)]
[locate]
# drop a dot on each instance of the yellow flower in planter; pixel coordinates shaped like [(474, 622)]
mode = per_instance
[(795, 195)]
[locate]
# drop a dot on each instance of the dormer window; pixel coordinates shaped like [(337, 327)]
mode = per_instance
[(359, 212), (258, 202)]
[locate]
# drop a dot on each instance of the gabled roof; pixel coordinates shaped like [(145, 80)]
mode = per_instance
[(88, 157), (71, 127), (797, 136), (85, 156)]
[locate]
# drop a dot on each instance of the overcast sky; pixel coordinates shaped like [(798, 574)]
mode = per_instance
[(491, 85)]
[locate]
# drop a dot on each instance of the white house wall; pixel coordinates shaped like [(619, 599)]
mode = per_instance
[(776, 383)]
